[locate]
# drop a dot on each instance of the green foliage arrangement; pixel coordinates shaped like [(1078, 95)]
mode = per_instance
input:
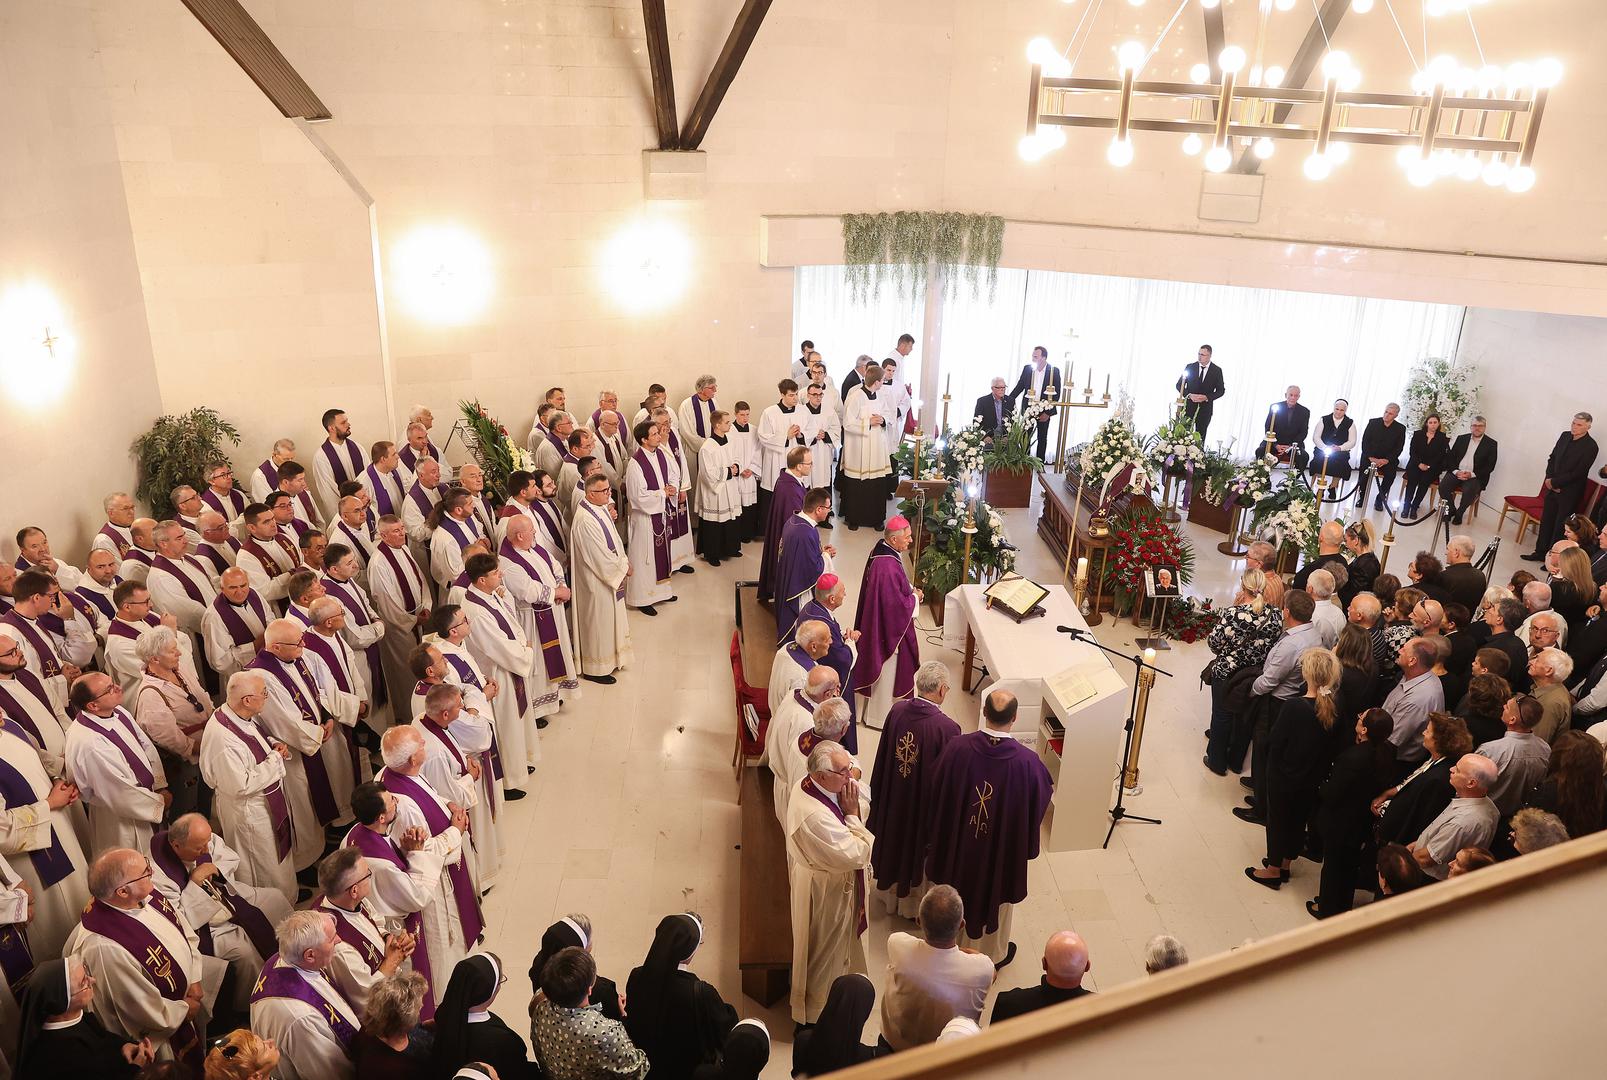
[(493, 448), (1440, 385), (903, 245), (179, 450), (1213, 475)]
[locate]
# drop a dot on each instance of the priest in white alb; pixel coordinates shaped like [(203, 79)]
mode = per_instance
[(812, 714), (682, 479), (115, 765), (451, 764), (500, 647), (218, 546), (39, 839), (425, 492), (363, 629), (796, 659), (246, 771), (114, 536), (401, 595), (337, 460), (651, 494), (696, 425), (37, 622), (266, 555), (353, 531), (137, 557), (265, 477), (601, 569), (296, 1006), (351, 697), (26, 703), (384, 479), (233, 623), (180, 584), (368, 949), (455, 533), (536, 582)]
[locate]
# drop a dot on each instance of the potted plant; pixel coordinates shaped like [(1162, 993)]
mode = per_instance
[(942, 555), (179, 450), (1009, 461), (493, 448)]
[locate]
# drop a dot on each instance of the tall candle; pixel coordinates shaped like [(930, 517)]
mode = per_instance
[(1090, 388), (1082, 569), (947, 383), (1107, 384), (1149, 656)]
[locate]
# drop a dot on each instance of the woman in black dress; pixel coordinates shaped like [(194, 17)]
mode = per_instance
[(744, 1056), (833, 1043), (574, 931), (1405, 810), (1297, 760), (58, 1037), (467, 1030), (391, 1045), (1582, 531), (1424, 462), (675, 1018), (1361, 771), (1363, 566)]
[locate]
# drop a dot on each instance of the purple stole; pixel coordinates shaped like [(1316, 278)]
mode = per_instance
[(300, 615), (558, 444), (15, 711), (661, 536), (411, 458), (698, 405), (99, 600), (269, 565), (521, 697), (354, 606), (51, 863), (829, 803), (214, 556), (402, 578), (159, 965), (239, 632), (139, 555), (191, 589), (244, 914), (552, 653), (421, 500), (468, 901), (383, 498), (278, 981), (49, 659), (270, 473), (16, 959), (608, 537), (231, 508), (375, 845), (318, 786), (106, 728), (608, 452), (680, 517), (110, 532), (119, 628), (84, 607), (550, 517), (370, 954), (355, 542), (341, 474), (804, 660), (464, 532), (278, 808)]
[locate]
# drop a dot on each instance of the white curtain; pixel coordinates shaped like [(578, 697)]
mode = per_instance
[(825, 312)]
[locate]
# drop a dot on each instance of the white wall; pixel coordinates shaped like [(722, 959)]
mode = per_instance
[(1537, 371)]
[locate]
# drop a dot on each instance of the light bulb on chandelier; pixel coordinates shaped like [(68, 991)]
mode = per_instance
[(1421, 172), (1338, 152), (1042, 51), (1200, 73), (1131, 55), (1361, 7), (1218, 159), (1284, 5), (1495, 173), (1274, 76), (1119, 152), (1209, 4), (1468, 166), (1520, 179), (1263, 148), (1317, 166), (1193, 144), (1231, 59)]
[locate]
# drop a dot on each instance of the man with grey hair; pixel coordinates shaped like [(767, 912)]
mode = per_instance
[(299, 1008), (452, 765), (1327, 616), (1567, 473), (814, 713), (1162, 953), (1537, 602), (152, 980), (114, 535), (265, 477), (1468, 820), (365, 953), (1467, 469), (1461, 579), (246, 771), (1534, 829), (906, 760), (180, 583), (930, 979), (1417, 694), (695, 423), (1260, 555), (115, 765), (795, 659), (1549, 668), (828, 849)]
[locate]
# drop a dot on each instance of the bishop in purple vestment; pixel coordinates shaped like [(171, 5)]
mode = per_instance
[(889, 651)]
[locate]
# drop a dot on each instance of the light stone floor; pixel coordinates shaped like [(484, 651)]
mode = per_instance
[(632, 814)]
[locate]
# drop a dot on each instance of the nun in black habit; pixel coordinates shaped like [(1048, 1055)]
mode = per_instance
[(675, 1018), (60, 1037), (574, 931), (746, 1053), (467, 1031)]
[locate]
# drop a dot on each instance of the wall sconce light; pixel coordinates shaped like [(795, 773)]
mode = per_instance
[(647, 265), (36, 351), (442, 274)]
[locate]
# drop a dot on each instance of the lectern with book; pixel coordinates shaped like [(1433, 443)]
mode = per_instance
[(1018, 597)]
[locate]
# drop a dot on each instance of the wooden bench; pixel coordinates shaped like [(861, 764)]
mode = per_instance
[(764, 941)]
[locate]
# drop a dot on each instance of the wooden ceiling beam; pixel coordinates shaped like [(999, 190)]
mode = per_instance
[(725, 71), (234, 28), (1307, 59), (658, 58)]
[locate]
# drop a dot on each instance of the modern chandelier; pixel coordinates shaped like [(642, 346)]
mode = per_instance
[(1454, 121)]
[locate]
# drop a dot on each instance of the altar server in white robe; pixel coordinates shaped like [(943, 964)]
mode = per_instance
[(363, 630), (267, 557), (536, 582), (233, 623), (401, 595), (828, 851), (114, 536), (246, 770), (453, 529), (337, 460), (180, 584), (780, 429), (796, 659), (500, 647), (681, 545), (814, 714), (865, 464), (601, 569), (450, 763), (264, 479), (24, 700), (217, 549), (115, 766), (651, 494), (353, 531), (297, 713), (39, 839), (823, 431), (199, 875), (370, 947), (137, 558), (37, 622), (300, 1009), (151, 978), (695, 422), (350, 695), (749, 456)]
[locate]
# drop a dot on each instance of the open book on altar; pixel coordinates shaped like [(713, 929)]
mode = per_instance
[(1016, 596)]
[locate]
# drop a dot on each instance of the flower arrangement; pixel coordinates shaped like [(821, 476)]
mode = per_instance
[(966, 453), (1252, 483), (1440, 385), (1214, 474), (1011, 449), (1188, 618), (1142, 538), (1176, 446), (942, 557), (492, 447), (1113, 447), (1289, 516)]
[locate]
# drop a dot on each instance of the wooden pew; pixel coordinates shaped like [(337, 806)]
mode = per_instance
[(764, 942)]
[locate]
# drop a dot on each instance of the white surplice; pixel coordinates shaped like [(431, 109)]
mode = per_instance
[(644, 587), (692, 439), (775, 442), (546, 695), (28, 827), (442, 925), (351, 971), (502, 652), (239, 785), (864, 451), (823, 856), (223, 653), (824, 433), (169, 596), (602, 633), (399, 609), (282, 719), (122, 810), (719, 494), (308, 1047)]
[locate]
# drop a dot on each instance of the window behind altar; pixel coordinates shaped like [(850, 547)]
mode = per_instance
[(1142, 333), (825, 311)]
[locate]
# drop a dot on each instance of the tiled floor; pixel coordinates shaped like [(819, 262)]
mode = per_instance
[(633, 813)]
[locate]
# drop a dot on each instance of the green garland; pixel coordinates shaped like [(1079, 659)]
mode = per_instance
[(906, 245)]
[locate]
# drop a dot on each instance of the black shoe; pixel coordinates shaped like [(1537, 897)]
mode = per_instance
[(485, 892), (1284, 874), (648, 609), (1311, 854), (1456, 519), (1272, 883), (828, 523), (1244, 813), (601, 680), (852, 527), (1249, 800), (671, 599), (1378, 504), (513, 794), (1207, 762), (1533, 556), (712, 562), (1313, 910), (1009, 955), (735, 555), (530, 770), (541, 722), (684, 570), (1247, 782)]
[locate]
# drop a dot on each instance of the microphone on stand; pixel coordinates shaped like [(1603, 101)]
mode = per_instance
[(1072, 630)]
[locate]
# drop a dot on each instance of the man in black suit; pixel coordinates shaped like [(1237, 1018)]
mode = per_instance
[(1461, 579), (856, 376), (1290, 422), (1468, 469), (1201, 383), (1381, 446), (1065, 962), (1567, 472), (1043, 379), (994, 408)]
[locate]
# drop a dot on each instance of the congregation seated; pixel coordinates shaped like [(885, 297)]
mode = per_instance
[(833, 1041), (1163, 952), (242, 1055), (391, 1045), (569, 1034), (1065, 963), (930, 979)]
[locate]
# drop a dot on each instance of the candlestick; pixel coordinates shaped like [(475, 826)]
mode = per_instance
[(948, 384), (1082, 569), (1089, 389), (1146, 680), (1107, 384)]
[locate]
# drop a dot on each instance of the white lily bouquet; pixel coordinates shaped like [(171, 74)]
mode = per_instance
[(1295, 522), (522, 459), (1176, 446), (1113, 447), (966, 451), (1253, 481)]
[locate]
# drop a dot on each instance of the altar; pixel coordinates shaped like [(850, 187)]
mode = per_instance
[(1072, 702)]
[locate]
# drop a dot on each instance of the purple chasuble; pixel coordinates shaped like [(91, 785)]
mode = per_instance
[(278, 806), (661, 534), (785, 502), (468, 901), (161, 967), (51, 863), (886, 624), (319, 788), (283, 981), (353, 465), (987, 802), (906, 761), (808, 787), (799, 564), (118, 729)]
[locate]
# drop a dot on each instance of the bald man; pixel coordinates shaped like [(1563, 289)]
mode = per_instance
[(233, 623), (1065, 962), (1468, 820), (142, 549), (1330, 549), (95, 588)]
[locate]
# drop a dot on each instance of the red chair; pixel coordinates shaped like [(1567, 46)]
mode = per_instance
[(749, 745), (1529, 508)]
